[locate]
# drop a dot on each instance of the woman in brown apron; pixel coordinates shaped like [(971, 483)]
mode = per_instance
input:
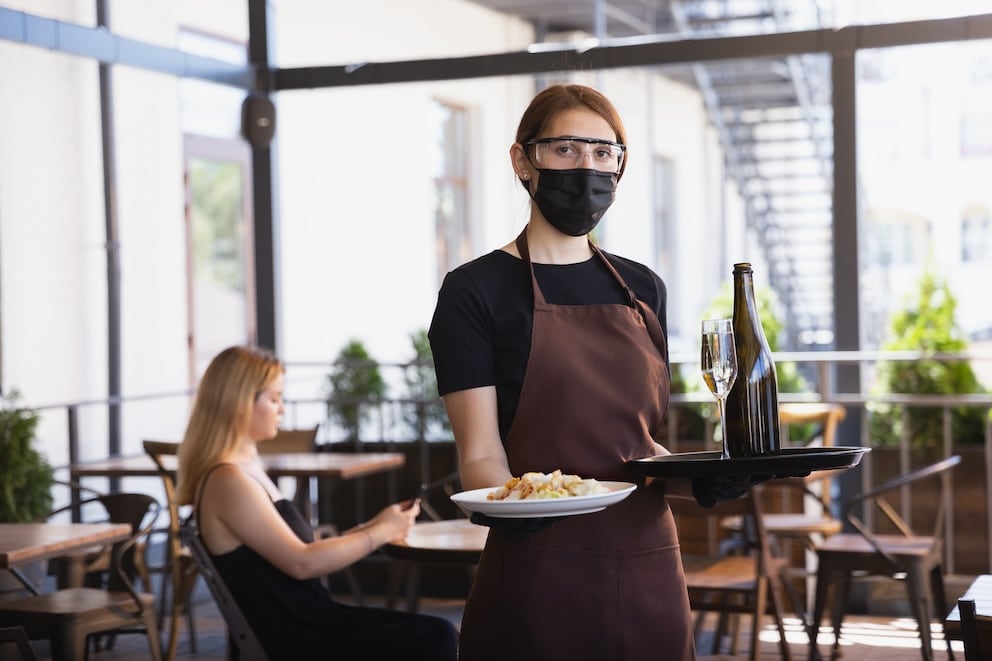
[(551, 354)]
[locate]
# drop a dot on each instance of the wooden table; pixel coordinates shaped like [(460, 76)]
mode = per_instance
[(23, 543), (299, 465), (455, 540), (338, 465), (452, 541), (980, 591)]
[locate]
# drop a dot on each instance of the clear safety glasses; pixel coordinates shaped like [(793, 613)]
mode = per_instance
[(568, 152)]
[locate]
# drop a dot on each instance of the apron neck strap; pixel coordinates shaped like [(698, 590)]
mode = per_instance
[(524, 251), (650, 319)]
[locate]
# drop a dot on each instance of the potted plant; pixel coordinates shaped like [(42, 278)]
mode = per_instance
[(927, 324), (426, 415), (26, 477), (354, 384)]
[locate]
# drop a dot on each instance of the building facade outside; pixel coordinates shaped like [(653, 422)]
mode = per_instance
[(380, 191)]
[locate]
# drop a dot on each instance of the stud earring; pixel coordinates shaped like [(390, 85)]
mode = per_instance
[(525, 176)]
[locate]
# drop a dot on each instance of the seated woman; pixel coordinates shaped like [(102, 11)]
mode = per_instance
[(262, 545)]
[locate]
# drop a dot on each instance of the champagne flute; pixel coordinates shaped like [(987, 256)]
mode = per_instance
[(719, 366)]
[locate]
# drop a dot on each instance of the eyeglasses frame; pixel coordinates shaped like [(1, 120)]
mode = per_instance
[(588, 141)]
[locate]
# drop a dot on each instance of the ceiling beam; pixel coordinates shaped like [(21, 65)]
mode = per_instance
[(650, 50), (108, 48)]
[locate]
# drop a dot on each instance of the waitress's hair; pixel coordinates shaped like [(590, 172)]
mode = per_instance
[(222, 411), (558, 98)]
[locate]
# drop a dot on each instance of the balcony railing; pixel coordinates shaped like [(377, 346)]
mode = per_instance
[(78, 431)]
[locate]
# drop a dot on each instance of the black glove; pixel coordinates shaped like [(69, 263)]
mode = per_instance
[(512, 527), (708, 491)]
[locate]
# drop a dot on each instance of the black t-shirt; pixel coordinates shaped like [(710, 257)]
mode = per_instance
[(481, 331)]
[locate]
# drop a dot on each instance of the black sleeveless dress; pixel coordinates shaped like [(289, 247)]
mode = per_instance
[(298, 619)]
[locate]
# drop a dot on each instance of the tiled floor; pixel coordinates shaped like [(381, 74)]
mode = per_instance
[(865, 639)]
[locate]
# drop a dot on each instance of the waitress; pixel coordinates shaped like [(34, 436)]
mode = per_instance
[(551, 353)]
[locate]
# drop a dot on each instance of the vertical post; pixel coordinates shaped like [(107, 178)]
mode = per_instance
[(75, 509), (266, 227), (845, 217), (847, 329), (112, 247)]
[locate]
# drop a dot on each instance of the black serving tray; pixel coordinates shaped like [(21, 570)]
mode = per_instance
[(788, 462)]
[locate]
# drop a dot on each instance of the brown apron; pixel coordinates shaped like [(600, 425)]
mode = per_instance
[(608, 585)]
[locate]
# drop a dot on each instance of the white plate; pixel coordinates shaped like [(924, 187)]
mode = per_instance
[(476, 501)]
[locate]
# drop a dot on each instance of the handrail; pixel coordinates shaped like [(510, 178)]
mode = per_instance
[(307, 401)]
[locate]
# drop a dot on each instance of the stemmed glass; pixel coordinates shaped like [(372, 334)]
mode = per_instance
[(719, 366)]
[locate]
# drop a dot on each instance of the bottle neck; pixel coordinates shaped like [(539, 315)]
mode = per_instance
[(744, 302)]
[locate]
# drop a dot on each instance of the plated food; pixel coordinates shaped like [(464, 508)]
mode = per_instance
[(598, 496), (534, 485)]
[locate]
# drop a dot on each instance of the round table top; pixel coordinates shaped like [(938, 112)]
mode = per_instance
[(451, 540)]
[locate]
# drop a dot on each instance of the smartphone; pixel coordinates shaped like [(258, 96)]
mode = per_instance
[(416, 499)]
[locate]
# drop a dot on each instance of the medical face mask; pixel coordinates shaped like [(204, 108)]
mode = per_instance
[(574, 201)]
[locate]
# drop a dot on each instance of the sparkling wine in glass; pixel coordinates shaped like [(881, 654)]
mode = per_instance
[(719, 366)]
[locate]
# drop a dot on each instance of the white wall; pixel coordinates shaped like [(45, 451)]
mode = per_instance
[(354, 201)]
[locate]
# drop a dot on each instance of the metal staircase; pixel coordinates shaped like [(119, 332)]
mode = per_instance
[(773, 117)]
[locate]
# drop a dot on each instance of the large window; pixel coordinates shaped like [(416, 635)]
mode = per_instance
[(976, 236), (454, 239), (218, 226), (220, 277), (665, 225)]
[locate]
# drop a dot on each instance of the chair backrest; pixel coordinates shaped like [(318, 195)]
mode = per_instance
[(156, 450), (752, 535), (976, 632), (130, 508), (249, 648), (878, 498), (290, 440), (122, 567), (825, 418), (17, 636)]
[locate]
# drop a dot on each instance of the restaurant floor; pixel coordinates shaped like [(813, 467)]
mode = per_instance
[(865, 638)]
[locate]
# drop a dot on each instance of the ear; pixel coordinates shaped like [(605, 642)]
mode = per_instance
[(522, 166)]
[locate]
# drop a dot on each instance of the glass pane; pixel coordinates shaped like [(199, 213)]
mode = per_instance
[(218, 240), (924, 157), (208, 108)]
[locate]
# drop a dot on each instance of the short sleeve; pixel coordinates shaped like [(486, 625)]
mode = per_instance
[(461, 336)]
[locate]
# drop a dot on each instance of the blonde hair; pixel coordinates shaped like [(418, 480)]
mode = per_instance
[(222, 411)]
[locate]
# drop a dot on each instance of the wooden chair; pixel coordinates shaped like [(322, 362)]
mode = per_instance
[(291, 440), (809, 518), (67, 617), (976, 632), (179, 572), (91, 567), (803, 506), (903, 555), (747, 582), (240, 633), (17, 636)]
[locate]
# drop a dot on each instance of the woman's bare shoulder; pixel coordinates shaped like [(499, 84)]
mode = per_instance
[(227, 481)]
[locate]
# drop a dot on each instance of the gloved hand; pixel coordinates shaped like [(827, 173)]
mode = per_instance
[(708, 491), (512, 527)]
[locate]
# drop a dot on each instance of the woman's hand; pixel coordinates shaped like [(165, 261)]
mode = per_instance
[(394, 522)]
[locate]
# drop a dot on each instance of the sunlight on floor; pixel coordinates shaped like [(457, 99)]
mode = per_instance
[(897, 633)]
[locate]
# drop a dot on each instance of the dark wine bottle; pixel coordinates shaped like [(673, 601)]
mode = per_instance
[(752, 404)]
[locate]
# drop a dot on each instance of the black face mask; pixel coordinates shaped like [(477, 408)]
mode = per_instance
[(573, 201)]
